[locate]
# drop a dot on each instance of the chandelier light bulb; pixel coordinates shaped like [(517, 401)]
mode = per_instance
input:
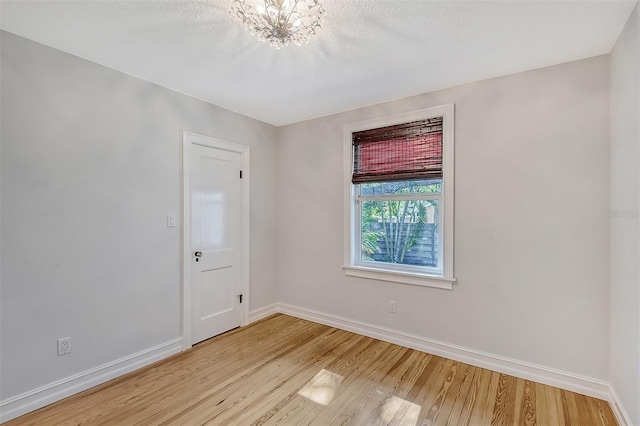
[(280, 22)]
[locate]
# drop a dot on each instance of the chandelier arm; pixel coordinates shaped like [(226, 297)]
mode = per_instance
[(294, 8)]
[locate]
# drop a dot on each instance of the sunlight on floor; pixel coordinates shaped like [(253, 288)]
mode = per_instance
[(398, 411), (322, 387)]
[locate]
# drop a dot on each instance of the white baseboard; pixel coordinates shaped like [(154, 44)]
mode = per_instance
[(528, 371), (265, 311), (45, 395), (618, 410)]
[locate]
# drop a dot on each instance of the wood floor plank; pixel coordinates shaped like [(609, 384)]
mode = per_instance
[(570, 407), (287, 371), (504, 408), (517, 405), (557, 396), (606, 415), (483, 404), (455, 404), (542, 411), (430, 390), (528, 404), (472, 396)]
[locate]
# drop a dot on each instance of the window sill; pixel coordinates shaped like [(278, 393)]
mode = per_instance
[(400, 277)]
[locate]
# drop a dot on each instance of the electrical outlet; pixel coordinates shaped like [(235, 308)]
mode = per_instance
[(64, 345), (392, 306)]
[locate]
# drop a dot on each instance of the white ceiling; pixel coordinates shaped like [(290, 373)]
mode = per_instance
[(369, 51)]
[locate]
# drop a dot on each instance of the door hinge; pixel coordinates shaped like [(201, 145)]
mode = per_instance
[(240, 298), (240, 174)]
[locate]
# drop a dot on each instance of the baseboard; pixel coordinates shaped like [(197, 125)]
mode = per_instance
[(547, 376), (265, 311), (45, 395), (618, 409)]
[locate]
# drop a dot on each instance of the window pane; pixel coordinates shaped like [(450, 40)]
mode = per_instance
[(402, 187), (400, 232)]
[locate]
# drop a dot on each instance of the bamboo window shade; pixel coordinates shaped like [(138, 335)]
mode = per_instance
[(406, 151)]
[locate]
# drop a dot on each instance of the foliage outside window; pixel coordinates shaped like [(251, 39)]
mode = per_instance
[(400, 230)]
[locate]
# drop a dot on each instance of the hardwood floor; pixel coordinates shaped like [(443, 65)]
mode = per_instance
[(284, 370)]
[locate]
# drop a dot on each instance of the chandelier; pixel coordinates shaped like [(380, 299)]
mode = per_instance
[(280, 22)]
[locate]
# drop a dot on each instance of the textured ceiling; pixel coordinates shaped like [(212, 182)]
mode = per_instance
[(368, 51)]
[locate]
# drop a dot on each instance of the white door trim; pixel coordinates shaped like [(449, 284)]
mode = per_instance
[(189, 139)]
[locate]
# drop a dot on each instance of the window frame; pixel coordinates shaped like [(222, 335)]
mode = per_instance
[(406, 274)]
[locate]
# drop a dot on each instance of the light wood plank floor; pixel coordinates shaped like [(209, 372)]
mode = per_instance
[(284, 370)]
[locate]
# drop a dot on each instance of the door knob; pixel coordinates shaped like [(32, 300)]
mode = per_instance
[(198, 254)]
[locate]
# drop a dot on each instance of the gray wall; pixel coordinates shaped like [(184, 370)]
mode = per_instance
[(531, 233), (91, 166), (625, 205)]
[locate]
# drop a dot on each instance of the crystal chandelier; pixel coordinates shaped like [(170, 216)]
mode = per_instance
[(280, 22)]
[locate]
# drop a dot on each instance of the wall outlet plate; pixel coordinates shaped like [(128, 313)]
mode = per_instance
[(64, 345)]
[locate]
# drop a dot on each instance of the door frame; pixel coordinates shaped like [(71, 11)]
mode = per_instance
[(189, 139)]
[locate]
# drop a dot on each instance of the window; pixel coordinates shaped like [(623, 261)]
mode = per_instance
[(399, 198)]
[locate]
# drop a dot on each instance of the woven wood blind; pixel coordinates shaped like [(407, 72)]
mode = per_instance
[(401, 152)]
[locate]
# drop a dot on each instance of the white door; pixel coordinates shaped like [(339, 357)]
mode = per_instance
[(216, 214)]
